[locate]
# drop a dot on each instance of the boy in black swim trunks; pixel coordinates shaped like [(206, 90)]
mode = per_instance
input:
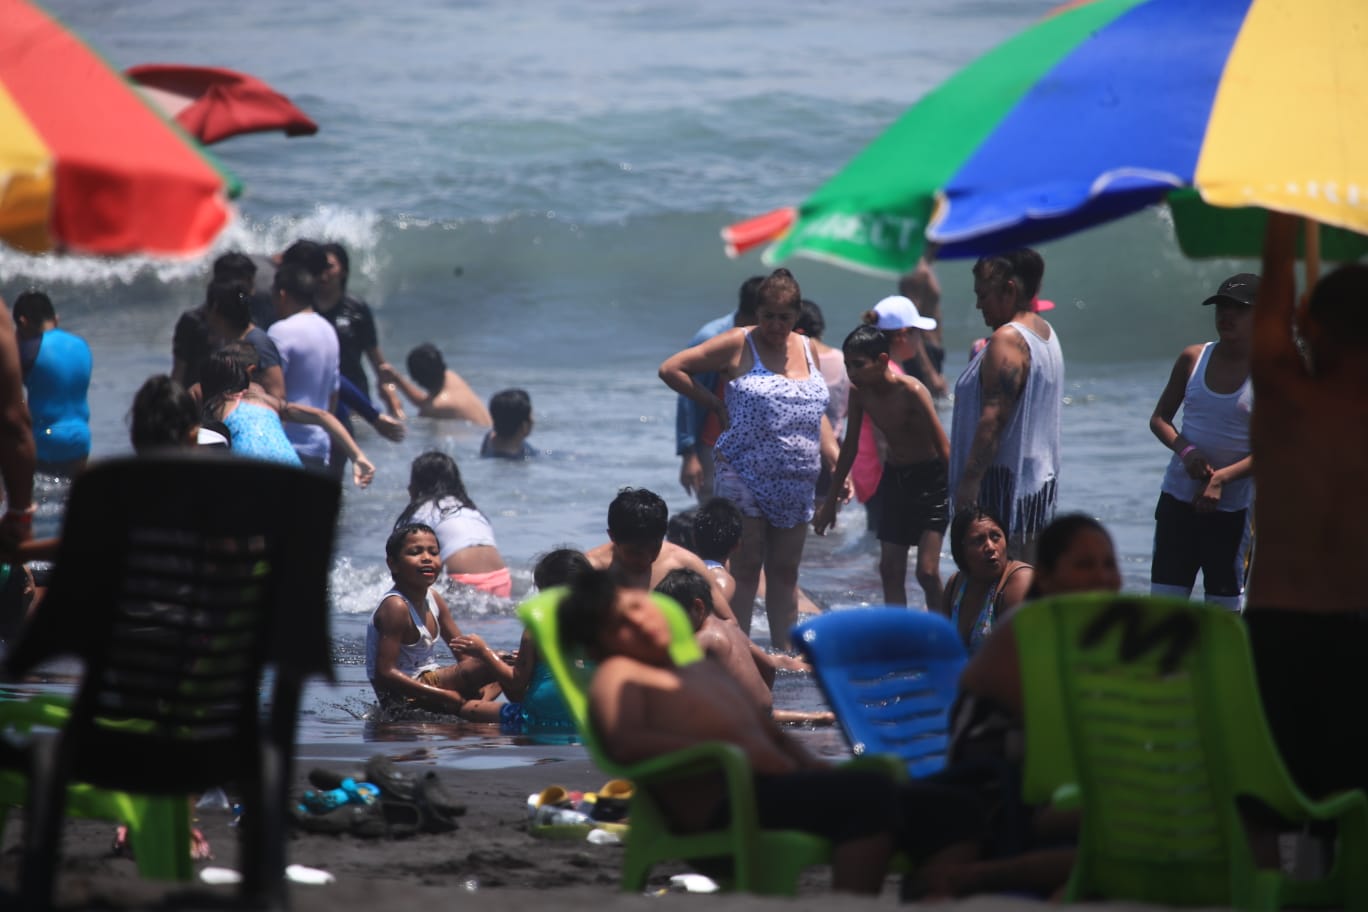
[(644, 706), (916, 499)]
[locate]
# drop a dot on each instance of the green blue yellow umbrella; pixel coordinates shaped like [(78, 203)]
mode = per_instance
[(1221, 108)]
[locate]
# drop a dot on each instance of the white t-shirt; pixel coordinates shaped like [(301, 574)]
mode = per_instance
[(308, 357), (457, 527)]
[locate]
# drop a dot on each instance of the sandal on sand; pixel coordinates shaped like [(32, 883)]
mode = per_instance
[(553, 796), (436, 799), (413, 804), (393, 783), (325, 780), (610, 804), (363, 820), (402, 819)]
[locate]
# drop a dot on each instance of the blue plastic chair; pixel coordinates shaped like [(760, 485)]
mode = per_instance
[(890, 675)]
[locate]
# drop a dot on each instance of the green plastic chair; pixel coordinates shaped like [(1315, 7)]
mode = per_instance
[(763, 861), (158, 827), (1151, 706)]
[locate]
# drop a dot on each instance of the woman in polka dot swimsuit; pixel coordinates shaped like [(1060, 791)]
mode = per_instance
[(774, 440)]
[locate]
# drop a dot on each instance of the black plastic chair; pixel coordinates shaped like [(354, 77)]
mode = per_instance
[(180, 580)]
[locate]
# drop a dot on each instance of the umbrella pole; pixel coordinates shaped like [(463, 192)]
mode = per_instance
[(1313, 253)]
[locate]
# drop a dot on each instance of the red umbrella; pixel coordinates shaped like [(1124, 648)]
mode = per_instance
[(213, 104), (86, 164)]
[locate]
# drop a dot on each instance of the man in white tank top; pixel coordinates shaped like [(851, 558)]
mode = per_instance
[(1004, 435), (1203, 517)]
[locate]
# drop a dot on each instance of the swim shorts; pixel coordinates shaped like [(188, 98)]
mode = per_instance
[(1313, 673), (495, 582), (836, 804), (914, 499), (511, 718), (846, 804), (1185, 541)]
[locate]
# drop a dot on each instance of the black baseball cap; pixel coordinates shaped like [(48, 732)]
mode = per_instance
[(1238, 288)]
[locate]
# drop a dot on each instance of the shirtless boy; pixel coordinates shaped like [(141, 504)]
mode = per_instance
[(637, 553), (726, 644), (437, 391), (1306, 606), (644, 706), (402, 637), (511, 412), (913, 489), (716, 534)]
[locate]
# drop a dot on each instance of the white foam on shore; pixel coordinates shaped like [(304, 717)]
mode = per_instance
[(357, 230)]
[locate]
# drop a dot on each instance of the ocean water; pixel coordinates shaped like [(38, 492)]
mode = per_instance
[(538, 188)]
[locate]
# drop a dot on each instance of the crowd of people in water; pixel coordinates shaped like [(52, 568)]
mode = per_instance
[(776, 431)]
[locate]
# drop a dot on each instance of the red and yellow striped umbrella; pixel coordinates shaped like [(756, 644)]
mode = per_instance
[(86, 164)]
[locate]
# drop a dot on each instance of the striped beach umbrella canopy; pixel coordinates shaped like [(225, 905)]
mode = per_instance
[(87, 165), (1222, 109)]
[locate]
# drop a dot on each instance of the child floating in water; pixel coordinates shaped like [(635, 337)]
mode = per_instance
[(511, 412)]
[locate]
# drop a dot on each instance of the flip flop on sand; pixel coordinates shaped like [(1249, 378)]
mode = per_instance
[(611, 801), (557, 813)]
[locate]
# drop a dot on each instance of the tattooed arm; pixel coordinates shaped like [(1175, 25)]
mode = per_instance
[(1002, 377)]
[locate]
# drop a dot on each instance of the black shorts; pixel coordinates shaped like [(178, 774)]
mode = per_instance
[(934, 353), (1313, 674), (13, 600), (846, 804), (1186, 541), (914, 499)]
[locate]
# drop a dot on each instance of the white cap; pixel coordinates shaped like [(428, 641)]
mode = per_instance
[(898, 312)]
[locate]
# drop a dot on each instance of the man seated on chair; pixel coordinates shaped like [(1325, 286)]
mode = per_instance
[(644, 706)]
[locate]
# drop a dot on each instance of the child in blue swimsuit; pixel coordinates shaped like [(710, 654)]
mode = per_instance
[(535, 705)]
